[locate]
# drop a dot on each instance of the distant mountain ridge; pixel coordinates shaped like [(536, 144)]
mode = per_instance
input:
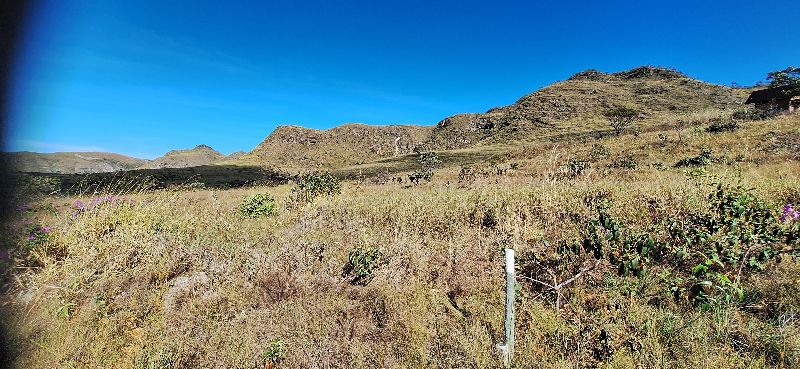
[(71, 162), (197, 156), (566, 107), (104, 162)]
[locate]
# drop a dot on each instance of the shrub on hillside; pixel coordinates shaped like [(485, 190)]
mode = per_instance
[(625, 161), (313, 185), (258, 205), (748, 114), (706, 157), (427, 162), (719, 125), (599, 152), (576, 167)]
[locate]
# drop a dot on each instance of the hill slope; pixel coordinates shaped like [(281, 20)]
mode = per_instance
[(200, 155), (578, 103), (568, 107), (303, 148), (71, 162)]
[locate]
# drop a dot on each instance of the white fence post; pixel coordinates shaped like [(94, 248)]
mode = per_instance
[(507, 347)]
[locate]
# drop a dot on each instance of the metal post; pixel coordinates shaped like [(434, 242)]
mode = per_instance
[(507, 347)]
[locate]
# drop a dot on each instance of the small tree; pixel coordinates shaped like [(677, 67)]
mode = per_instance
[(427, 161), (789, 78), (621, 118), (312, 185)]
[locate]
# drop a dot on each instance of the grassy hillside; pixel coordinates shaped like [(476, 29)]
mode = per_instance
[(204, 176), (298, 148), (395, 275), (71, 162), (564, 109), (199, 155), (571, 108), (577, 105)]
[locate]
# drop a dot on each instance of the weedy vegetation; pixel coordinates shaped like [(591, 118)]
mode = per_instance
[(624, 261)]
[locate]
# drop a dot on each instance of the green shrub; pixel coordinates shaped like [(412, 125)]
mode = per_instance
[(706, 157), (719, 125), (313, 185), (427, 161), (599, 152), (274, 354), (701, 256), (258, 205), (625, 161), (361, 263), (749, 114), (576, 167), (422, 174)]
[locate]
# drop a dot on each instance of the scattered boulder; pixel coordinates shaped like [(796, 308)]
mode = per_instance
[(182, 287)]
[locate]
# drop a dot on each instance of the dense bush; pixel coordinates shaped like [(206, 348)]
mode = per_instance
[(312, 185), (599, 152), (258, 205), (427, 162), (706, 157), (719, 125), (625, 161), (748, 114)]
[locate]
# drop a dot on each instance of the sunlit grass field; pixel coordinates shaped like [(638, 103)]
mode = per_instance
[(387, 274)]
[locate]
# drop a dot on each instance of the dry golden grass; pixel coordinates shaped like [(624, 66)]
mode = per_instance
[(178, 279)]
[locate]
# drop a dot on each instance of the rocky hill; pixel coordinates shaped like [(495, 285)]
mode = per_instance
[(296, 147), (236, 155), (200, 155), (71, 162), (577, 105), (573, 106)]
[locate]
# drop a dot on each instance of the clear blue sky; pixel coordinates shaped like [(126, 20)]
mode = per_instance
[(143, 77)]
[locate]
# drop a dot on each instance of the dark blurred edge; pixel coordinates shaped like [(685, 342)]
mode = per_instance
[(13, 15)]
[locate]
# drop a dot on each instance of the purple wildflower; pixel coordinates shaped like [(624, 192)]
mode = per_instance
[(46, 229), (79, 205), (789, 213), (31, 238)]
